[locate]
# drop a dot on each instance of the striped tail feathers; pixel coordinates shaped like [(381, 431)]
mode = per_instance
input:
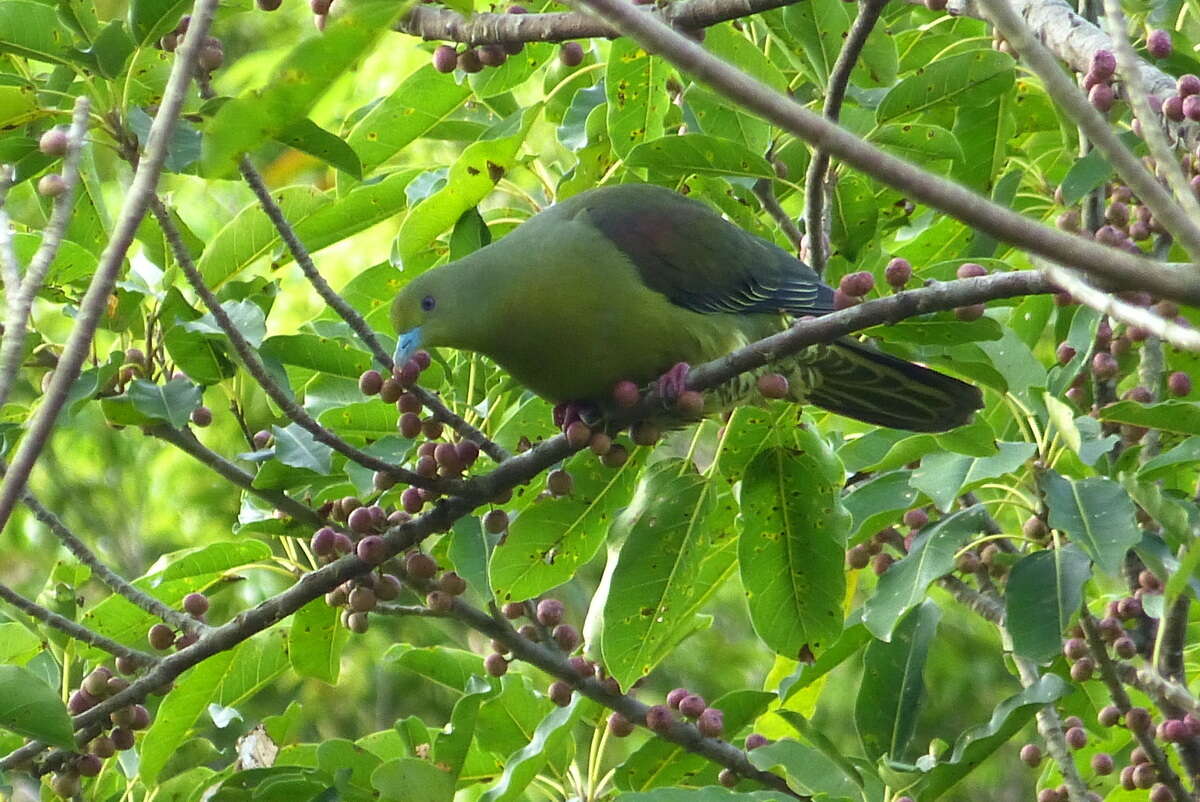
[(855, 380)]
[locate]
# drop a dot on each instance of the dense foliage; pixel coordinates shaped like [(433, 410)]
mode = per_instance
[(352, 582)]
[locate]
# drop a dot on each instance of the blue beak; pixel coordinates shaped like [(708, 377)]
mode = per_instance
[(407, 343)]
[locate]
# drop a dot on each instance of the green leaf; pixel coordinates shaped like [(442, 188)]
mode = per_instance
[(296, 447), (421, 101), (977, 743), (938, 329), (945, 476), (876, 502), (917, 142), (507, 721), (967, 80), (1043, 593), (112, 49), (1096, 513), (892, 685), (808, 770), (1090, 171), (513, 72), (150, 20), (179, 711), (314, 642), (307, 136), (549, 541), (855, 215), (684, 154), (1186, 453), (322, 354), (820, 27), (452, 668), (31, 708), (791, 546), (709, 793), (473, 175), (299, 81), (524, 765), (172, 402), (33, 30), (635, 86), (250, 235), (411, 779), (453, 742), (679, 540), (1182, 417), (931, 556)]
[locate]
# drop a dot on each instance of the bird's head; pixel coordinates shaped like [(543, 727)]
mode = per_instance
[(422, 314)]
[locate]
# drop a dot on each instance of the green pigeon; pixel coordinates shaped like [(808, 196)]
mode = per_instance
[(635, 282)]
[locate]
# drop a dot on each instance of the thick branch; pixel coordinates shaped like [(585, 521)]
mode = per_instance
[(1120, 268), (95, 302), (442, 24), (1068, 97)]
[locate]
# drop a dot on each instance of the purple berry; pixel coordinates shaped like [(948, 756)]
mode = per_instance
[(372, 549), (625, 394), (620, 726), (495, 664), (195, 604), (1104, 365), (970, 270), (898, 272), (692, 705), (1104, 64), (659, 718), (856, 285), (370, 382), (1102, 97), (1158, 43), (711, 722), (1179, 383), (1031, 755), (550, 612), (571, 54), (1187, 85), (560, 693), (54, 142)]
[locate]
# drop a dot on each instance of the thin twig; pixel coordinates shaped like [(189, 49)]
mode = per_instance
[(74, 630), (1129, 68), (10, 265), (1127, 313), (1111, 678), (411, 610), (1050, 728), (113, 581), (95, 301), (764, 189), (839, 78), (1068, 97), (186, 442), (20, 294), (256, 368), (1120, 268)]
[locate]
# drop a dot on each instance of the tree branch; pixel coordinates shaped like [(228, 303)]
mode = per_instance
[(442, 24), (95, 302), (21, 292), (186, 442), (1101, 301), (74, 630), (839, 78), (1112, 681), (1118, 267), (113, 581), (1068, 97), (256, 368)]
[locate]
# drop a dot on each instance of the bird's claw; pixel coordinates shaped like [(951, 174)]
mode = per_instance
[(568, 412), (672, 383)]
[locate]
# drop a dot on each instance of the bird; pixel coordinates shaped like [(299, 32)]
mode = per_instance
[(633, 282)]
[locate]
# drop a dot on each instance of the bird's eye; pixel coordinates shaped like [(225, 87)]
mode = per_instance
[(428, 303)]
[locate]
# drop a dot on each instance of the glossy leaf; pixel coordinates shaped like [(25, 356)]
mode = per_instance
[(172, 402), (679, 543), (1042, 595), (892, 685), (970, 78), (634, 83), (684, 154), (931, 555), (791, 546), (1096, 513), (33, 709)]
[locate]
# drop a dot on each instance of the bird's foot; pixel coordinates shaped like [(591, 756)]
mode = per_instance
[(673, 383), (568, 412)]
